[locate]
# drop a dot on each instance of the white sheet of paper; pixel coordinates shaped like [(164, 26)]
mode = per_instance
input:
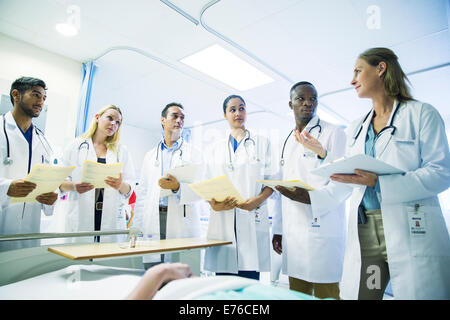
[(287, 184), (95, 173), (47, 179), (360, 161), (185, 174), (218, 188)]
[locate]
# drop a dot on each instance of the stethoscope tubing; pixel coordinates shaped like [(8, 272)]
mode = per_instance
[(39, 133), (247, 139), (158, 150), (390, 126), (317, 125), (85, 142)]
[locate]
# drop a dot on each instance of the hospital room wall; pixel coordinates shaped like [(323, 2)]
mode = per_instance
[(62, 76)]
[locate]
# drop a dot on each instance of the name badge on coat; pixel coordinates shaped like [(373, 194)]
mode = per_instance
[(417, 223), (315, 224)]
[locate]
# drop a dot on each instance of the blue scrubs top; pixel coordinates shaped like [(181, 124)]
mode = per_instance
[(370, 199), (29, 137), (234, 143)]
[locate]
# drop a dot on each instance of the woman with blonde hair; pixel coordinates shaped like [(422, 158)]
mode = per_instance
[(86, 209), (396, 229)]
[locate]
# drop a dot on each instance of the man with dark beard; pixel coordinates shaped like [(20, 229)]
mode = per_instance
[(22, 146)]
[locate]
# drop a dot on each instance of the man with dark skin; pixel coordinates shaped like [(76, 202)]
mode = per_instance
[(304, 105), (28, 105), (312, 246), (25, 146)]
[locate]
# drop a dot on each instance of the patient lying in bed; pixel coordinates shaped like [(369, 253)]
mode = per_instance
[(178, 283)]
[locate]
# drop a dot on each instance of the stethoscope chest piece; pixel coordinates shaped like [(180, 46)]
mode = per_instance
[(8, 161)]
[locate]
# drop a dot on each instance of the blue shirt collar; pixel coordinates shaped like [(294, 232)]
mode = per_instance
[(174, 146)]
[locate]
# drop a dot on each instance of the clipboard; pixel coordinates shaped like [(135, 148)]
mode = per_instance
[(360, 161)]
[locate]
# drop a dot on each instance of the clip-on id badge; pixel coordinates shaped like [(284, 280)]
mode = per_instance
[(315, 224), (416, 219)]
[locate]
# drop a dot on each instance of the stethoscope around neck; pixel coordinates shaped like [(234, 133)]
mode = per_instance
[(158, 150), (85, 145), (390, 126), (317, 125), (7, 161), (246, 140)]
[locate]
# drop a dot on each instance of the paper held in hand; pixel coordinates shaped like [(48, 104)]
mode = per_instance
[(47, 179), (287, 184), (348, 165), (184, 174), (95, 173), (218, 188)]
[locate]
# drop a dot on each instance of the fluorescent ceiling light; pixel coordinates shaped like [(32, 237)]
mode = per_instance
[(72, 25), (66, 29), (228, 68)]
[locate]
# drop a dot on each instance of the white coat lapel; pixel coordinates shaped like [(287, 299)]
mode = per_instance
[(111, 156), (293, 150), (179, 156), (92, 155), (11, 123), (360, 142), (36, 139)]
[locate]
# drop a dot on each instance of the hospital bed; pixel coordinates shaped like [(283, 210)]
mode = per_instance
[(87, 271)]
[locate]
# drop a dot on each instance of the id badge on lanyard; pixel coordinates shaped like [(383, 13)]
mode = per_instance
[(416, 220)]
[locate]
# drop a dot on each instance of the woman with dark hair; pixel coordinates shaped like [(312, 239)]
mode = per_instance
[(396, 229), (244, 157)]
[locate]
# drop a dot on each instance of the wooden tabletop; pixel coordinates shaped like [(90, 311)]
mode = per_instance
[(106, 250)]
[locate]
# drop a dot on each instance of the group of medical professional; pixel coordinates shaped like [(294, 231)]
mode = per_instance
[(323, 253)]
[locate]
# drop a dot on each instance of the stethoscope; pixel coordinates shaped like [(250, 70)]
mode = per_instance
[(8, 160), (80, 147), (85, 145), (317, 125), (246, 140), (390, 126), (158, 150)]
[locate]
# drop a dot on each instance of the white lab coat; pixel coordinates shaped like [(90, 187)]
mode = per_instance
[(313, 252), (419, 265), (183, 220), (78, 209), (20, 217), (250, 250)]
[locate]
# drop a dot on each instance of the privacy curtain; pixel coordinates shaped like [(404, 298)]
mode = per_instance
[(88, 73)]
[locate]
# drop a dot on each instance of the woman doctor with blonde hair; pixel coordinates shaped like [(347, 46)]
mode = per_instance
[(87, 209), (396, 229)]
